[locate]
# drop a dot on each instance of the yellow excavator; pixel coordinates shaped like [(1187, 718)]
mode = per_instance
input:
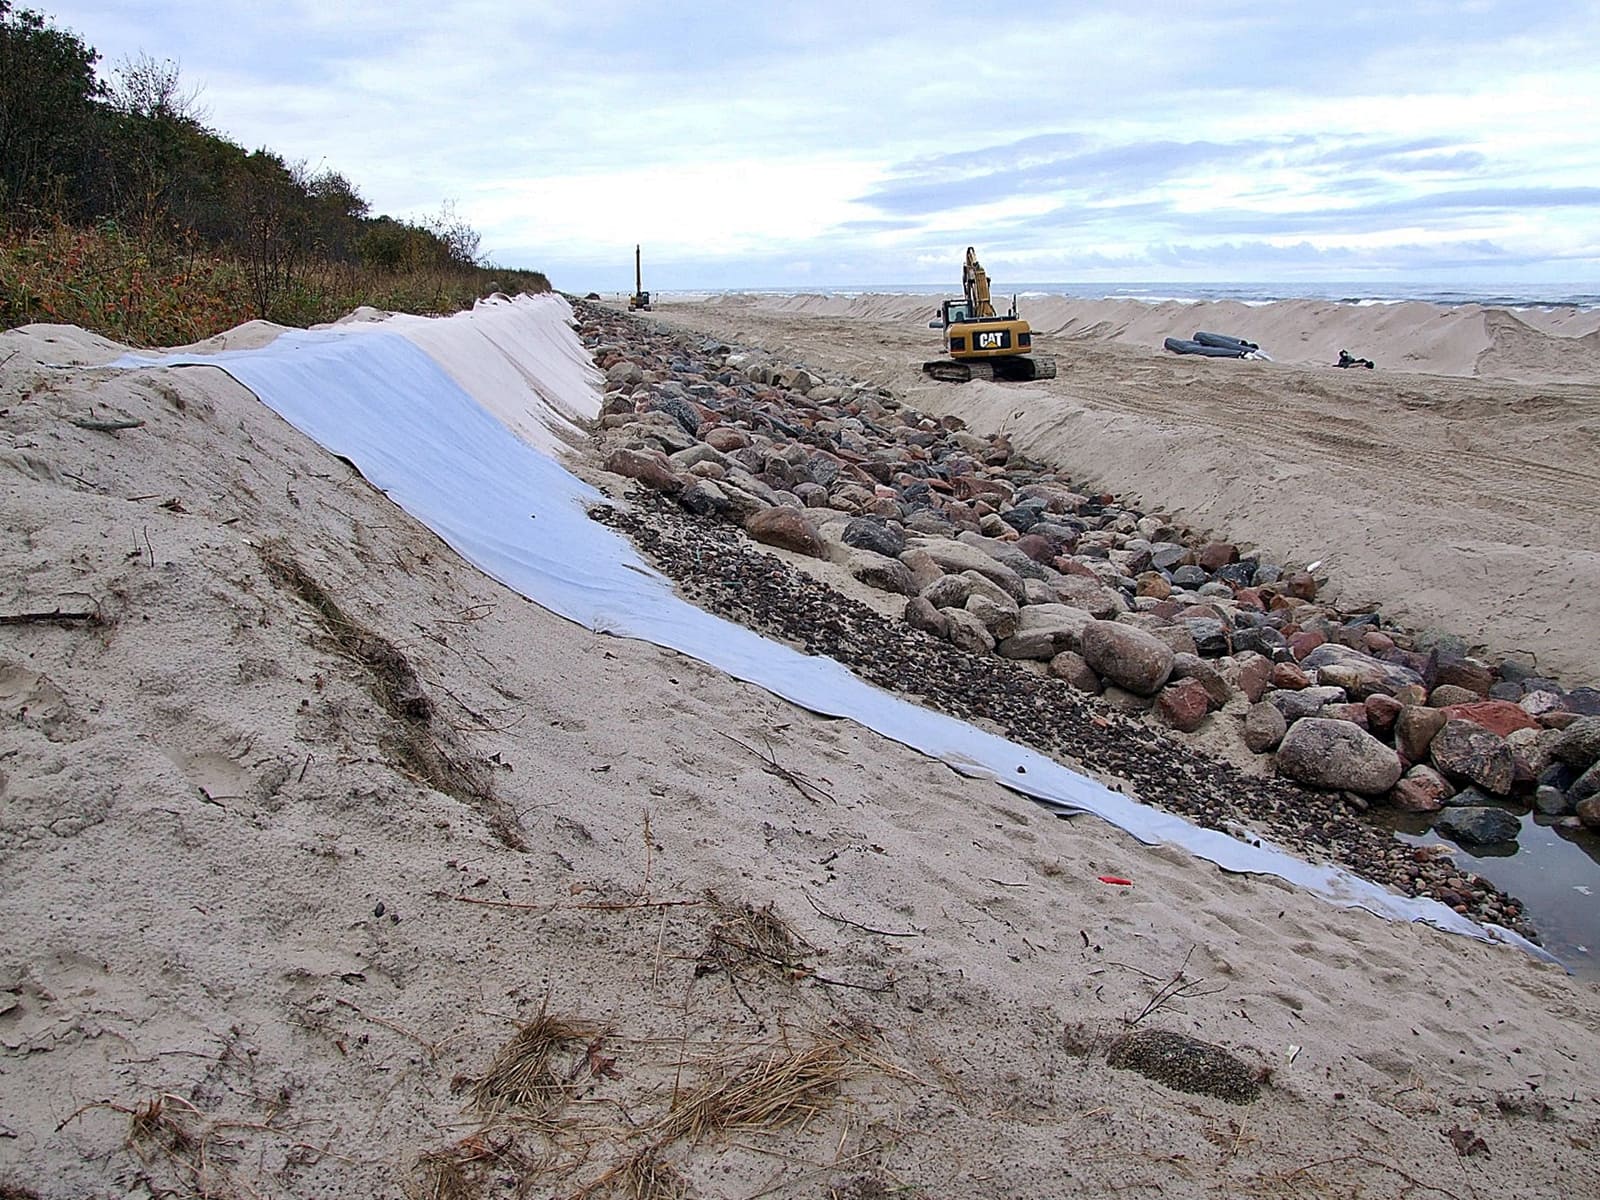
[(640, 298), (979, 341)]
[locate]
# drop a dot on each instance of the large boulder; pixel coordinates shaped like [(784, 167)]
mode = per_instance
[(1589, 812), (885, 574), (967, 632), (1579, 744), (1125, 656), (1070, 666), (1192, 666), (1264, 727), (1423, 790), (649, 467), (1307, 702), (1043, 631), (999, 619), (868, 533), (1359, 674), (1497, 716), (1183, 705), (1094, 597), (1464, 751), (1479, 826), (948, 591), (1415, 728), (955, 557), (787, 528), (921, 614), (1339, 756)]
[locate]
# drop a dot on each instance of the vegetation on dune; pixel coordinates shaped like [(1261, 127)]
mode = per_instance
[(122, 212)]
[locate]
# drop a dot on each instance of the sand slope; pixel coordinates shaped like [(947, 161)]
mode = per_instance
[(264, 925)]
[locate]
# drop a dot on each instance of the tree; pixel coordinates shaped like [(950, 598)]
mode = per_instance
[(159, 169), (146, 87), (48, 94), (459, 241), (336, 212)]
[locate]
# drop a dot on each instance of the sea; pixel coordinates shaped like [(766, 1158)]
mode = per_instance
[(1495, 295)]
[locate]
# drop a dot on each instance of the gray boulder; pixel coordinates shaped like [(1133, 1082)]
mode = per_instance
[(1070, 666), (999, 619), (1307, 702), (1479, 826), (1359, 674), (955, 557), (885, 574), (1579, 744), (1043, 631), (1264, 727), (921, 614), (968, 632), (1094, 597), (867, 533), (1338, 756)]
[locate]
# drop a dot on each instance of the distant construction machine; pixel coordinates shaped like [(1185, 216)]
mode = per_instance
[(978, 341), (640, 297)]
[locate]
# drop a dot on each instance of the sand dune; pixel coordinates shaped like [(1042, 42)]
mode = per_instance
[(1535, 345), (271, 920)]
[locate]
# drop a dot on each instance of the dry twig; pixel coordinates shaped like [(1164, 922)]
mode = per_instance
[(770, 764), (1179, 987)]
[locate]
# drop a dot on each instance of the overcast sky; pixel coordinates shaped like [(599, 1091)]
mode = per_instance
[(842, 142)]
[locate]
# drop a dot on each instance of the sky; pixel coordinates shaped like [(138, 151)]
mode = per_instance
[(836, 144)]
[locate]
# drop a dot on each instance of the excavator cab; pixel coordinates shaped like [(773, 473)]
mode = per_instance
[(952, 312)]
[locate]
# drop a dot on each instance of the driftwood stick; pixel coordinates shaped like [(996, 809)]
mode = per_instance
[(55, 617), (856, 924), (106, 426)]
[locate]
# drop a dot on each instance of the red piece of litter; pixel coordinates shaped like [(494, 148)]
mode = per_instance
[(1116, 879)]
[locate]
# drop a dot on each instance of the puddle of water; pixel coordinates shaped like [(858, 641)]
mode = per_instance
[(1555, 875)]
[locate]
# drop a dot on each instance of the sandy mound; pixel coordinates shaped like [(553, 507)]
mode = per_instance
[(332, 867)]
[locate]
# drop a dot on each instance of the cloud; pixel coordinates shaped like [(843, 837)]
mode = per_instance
[(876, 140)]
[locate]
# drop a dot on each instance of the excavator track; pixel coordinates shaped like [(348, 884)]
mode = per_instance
[(1015, 369), (947, 370)]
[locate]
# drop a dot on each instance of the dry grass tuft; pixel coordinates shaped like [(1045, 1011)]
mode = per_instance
[(460, 1171), (531, 1076), (769, 1091), (742, 935), (642, 1176)]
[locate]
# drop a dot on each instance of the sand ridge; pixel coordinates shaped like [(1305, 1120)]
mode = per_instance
[(248, 950)]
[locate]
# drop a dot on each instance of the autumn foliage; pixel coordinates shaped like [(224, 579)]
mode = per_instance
[(122, 212)]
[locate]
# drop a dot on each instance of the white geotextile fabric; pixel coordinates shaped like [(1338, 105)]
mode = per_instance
[(457, 419)]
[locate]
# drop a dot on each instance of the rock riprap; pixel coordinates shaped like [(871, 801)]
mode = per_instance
[(1009, 560)]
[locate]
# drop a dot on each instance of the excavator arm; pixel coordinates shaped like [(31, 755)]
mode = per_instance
[(975, 283)]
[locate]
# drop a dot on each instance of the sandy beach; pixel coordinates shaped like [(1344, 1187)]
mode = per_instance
[(335, 867)]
